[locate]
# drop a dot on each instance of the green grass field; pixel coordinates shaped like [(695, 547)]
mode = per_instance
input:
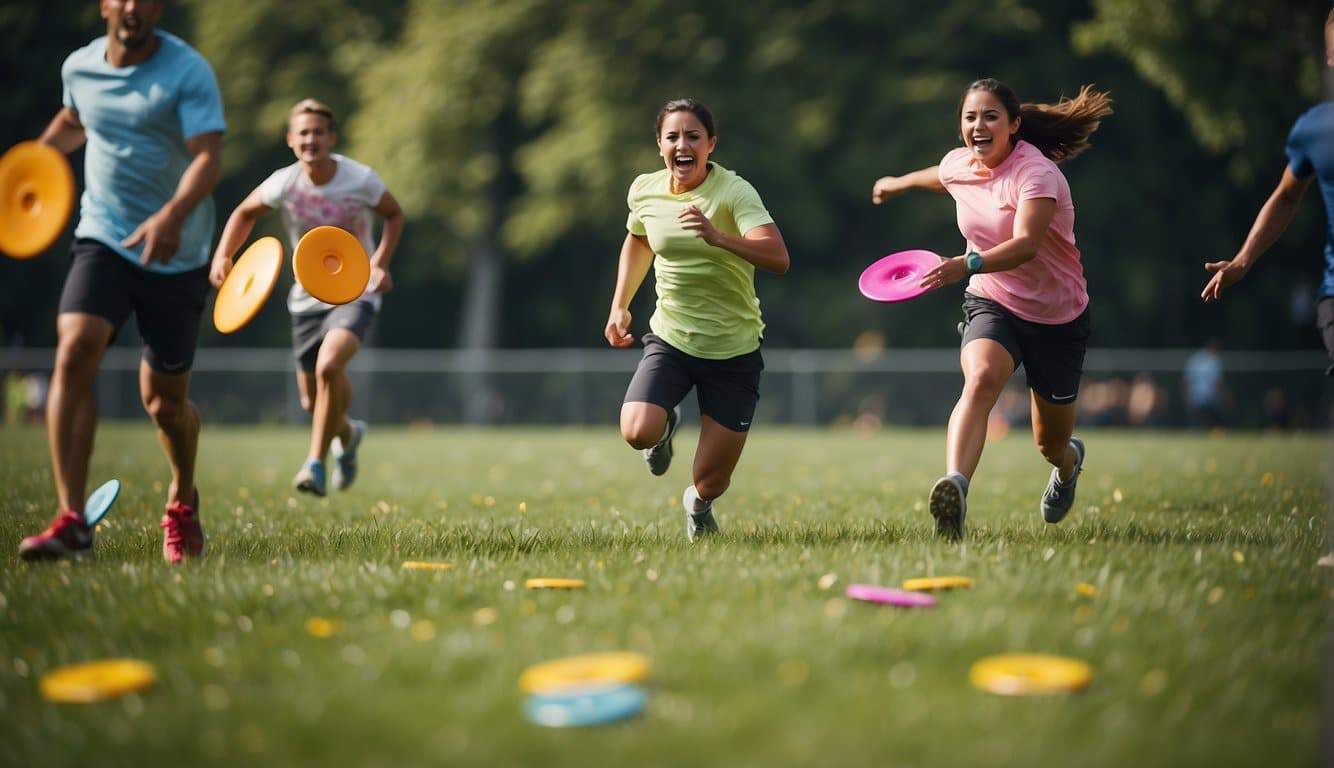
[(1206, 637)]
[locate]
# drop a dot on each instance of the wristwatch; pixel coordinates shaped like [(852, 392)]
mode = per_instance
[(974, 262)]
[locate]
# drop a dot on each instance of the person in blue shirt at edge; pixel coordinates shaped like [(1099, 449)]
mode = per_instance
[(1310, 157), (147, 110)]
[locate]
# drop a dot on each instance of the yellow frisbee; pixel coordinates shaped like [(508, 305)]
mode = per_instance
[(554, 584), (36, 197), (331, 264), (96, 680), (248, 285), (424, 565), (932, 583), (582, 671), (1029, 674)]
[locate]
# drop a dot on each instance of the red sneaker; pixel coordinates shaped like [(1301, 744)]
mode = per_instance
[(183, 535), (67, 536)]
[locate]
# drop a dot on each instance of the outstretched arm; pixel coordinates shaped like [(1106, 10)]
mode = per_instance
[(636, 258), (238, 228), (889, 186), (1273, 219)]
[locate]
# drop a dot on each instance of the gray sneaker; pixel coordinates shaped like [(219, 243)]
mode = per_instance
[(1060, 497), (698, 523), (949, 506), (659, 457), (345, 457)]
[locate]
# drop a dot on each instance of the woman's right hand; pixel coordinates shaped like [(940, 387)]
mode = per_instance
[(617, 331), (885, 188)]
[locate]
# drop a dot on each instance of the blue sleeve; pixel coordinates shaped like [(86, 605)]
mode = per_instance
[(1299, 151), (199, 105)]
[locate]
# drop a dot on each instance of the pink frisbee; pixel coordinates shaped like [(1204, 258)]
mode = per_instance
[(886, 596), (896, 277)]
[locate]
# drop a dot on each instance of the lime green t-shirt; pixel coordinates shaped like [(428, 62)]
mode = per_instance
[(707, 305)]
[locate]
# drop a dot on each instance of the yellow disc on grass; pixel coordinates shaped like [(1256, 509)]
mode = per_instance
[(1029, 674), (96, 680), (36, 197), (554, 584), (331, 265), (248, 285), (426, 565), (932, 583), (582, 671)]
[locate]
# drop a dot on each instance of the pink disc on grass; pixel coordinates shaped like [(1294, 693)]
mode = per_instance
[(898, 276), (886, 596)]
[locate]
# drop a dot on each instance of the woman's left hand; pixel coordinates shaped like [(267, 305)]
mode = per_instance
[(947, 272), (693, 219)]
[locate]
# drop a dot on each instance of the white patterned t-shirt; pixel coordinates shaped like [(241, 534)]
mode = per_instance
[(347, 201)]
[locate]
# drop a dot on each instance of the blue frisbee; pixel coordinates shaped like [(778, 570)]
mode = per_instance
[(99, 504), (585, 706)]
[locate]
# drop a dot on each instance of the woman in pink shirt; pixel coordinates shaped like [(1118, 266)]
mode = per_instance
[(1026, 301)]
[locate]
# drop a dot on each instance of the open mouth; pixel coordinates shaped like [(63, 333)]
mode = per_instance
[(981, 143), (683, 162)]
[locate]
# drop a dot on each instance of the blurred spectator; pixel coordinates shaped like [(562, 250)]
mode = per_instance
[(1277, 413), (1206, 399), (35, 385), (16, 399), (1105, 403), (1148, 402)]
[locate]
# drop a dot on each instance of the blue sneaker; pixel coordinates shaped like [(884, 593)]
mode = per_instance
[(310, 478), (1060, 497), (345, 456)]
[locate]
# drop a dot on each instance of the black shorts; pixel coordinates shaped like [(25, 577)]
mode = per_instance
[(728, 390), (166, 308), (309, 330), (1052, 355), (1324, 318)]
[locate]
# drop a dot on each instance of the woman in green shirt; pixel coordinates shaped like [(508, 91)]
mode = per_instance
[(703, 229)]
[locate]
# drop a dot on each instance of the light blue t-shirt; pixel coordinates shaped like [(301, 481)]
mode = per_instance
[(137, 119)]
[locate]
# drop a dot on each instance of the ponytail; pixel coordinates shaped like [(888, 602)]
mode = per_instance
[(1061, 130)]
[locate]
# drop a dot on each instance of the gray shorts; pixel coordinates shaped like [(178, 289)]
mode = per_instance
[(309, 330), (1324, 313)]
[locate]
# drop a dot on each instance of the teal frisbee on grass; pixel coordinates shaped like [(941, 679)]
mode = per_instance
[(587, 705), (100, 502)]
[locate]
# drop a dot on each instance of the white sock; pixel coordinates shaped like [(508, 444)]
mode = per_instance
[(694, 503)]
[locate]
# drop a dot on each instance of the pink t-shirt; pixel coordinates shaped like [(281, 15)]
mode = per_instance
[(1050, 287)]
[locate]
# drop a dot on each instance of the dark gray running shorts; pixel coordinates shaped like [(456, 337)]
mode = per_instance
[(166, 307), (309, 330), (1052, 355), (728, 390)]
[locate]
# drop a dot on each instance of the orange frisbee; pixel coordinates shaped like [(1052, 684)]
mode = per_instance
[(331, 264), (36, 197), (248, 285)]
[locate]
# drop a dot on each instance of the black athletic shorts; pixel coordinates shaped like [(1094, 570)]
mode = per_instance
[(1052, 355), (309, 330), (1324, 318), (166, 307), (728, 390)]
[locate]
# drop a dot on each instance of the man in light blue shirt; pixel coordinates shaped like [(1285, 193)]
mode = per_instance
[(147, 109)]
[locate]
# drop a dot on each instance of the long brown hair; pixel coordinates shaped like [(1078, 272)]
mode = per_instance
[(1061, 130)]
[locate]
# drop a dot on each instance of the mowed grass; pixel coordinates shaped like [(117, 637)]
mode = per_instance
[(1206, 636)]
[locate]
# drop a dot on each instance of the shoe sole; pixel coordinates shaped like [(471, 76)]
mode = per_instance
[(946, 504), (39, 554)]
